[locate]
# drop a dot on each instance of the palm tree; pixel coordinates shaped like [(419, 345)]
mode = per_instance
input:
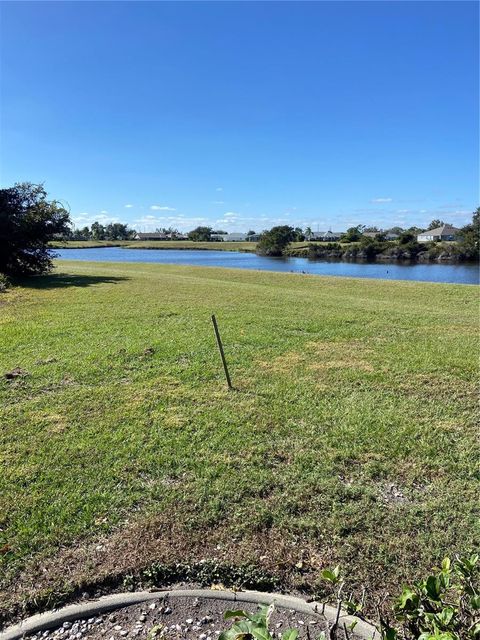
[(308, 233)]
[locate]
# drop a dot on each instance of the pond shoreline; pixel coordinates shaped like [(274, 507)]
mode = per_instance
[(428, 272), (300, 252)]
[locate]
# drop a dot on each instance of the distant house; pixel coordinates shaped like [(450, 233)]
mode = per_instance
[(159, 235), (388, 235), (326, 236), (151, 235), (231, 237), (391, 236), (444, 233)]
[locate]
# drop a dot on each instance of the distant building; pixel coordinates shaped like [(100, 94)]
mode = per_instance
[(391, 236), (151, 235), (388, 235), (444, 233), (159, 235), (326, 236), (230, 237)]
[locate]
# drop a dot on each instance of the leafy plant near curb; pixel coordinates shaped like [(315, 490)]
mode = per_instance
[(443, 606), (249, 626)]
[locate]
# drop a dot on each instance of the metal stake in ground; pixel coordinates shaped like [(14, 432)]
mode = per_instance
[(222, 355)]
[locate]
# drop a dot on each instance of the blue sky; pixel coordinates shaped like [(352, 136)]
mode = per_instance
[(242, 115)]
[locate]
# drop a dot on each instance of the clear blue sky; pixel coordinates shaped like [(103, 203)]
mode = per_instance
[(242, 114)]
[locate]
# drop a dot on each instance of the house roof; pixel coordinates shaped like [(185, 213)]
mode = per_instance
[(233, 236), (326, 234), (444, 230), (151, 234)]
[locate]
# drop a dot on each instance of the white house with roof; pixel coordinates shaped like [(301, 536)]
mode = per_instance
[(326, 236), (373, 234), (445, 233), (235, 237)]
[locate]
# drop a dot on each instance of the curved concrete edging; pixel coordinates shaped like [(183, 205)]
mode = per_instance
[(52, 619)]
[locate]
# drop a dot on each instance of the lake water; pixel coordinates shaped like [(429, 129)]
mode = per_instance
[(453, 273)]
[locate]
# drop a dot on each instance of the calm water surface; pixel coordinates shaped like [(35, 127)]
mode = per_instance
[(453, 273)]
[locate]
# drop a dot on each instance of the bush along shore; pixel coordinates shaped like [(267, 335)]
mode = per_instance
[(375, 251)]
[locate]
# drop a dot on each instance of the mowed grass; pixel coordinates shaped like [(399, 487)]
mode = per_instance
[(351, 436)]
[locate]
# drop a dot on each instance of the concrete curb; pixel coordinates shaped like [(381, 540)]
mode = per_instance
[(56, 618)]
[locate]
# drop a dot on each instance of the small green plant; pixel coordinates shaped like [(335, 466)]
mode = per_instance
[(444, 606), (158, 631), (249, 626)]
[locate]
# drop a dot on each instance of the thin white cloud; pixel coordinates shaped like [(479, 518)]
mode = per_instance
[(86, 219), (218, 202), (128, 206), (152, 218), (230, 214), (157, 207), (380, 200), (219, 189), (105, 212)]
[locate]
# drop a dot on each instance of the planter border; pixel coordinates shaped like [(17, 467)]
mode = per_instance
[(55, 618)]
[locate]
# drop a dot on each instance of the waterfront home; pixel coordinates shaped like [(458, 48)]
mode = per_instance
[(159, 235), (151, 235), (444, 233), (234, 237), (373, 234), (326, 236)]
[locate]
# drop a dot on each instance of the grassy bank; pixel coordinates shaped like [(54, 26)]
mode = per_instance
[(88, 244), (156, 244), (350, 438)]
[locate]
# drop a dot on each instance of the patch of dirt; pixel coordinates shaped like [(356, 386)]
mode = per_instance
[(343, 364), (16, 373), (103, 565), (327, 355), (284, 363), (179, 619)]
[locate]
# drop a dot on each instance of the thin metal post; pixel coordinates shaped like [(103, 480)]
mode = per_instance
[(220, 348)]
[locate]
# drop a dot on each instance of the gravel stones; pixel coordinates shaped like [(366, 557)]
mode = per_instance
[(176, 619)]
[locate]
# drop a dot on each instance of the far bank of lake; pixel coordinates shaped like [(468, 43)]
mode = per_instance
[(448, 273)]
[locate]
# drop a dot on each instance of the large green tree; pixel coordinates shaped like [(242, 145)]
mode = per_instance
[(28, 222), (275, 241), (200, 234), (353, 234), (434, 224), (469, 241)]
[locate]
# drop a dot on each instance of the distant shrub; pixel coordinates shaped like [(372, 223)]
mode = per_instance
[(275, 241), (325, 250), (4, 282)]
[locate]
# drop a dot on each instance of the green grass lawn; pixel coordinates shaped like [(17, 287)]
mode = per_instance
[(350, 438)]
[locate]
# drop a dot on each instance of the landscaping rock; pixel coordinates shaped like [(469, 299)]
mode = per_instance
[(180, 619)]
